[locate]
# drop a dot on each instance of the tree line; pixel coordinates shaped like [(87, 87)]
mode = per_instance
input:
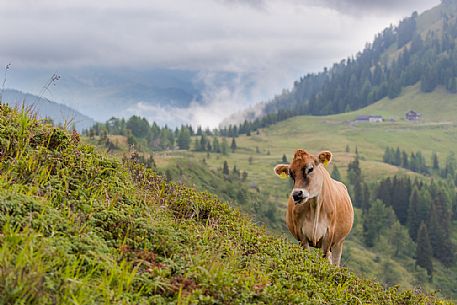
[(414, 216), (142, 134), (416, 162), (355, 82)]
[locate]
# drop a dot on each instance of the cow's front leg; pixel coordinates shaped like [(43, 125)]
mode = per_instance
[(304, 243), (326, 244)]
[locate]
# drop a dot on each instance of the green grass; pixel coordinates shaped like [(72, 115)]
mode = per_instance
[(81, 228), (436, 131)]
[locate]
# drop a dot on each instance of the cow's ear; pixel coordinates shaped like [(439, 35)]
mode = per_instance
[(325, 157), (282, 170)]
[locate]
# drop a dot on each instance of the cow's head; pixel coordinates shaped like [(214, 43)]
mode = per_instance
[(307, 173)]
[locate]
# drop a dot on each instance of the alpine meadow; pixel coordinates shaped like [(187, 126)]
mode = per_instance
[(134, 211)]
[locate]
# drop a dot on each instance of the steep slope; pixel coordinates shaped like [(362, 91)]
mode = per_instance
[(59, 113), (78, 227), (435, 132), (421, 50)]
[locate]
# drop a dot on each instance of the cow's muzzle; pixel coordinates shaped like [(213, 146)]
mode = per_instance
[(299, 196)]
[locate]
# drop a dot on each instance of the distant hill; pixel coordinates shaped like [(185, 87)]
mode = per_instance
[(59, 113), (421, 50)]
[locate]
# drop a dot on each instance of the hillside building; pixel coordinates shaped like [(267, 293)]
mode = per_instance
[(369, 119), (412, 115)]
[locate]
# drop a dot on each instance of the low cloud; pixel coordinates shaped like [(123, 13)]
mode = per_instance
[(405, 7), (221, 97), (266, 43)]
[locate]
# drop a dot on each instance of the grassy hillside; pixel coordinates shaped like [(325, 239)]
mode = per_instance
[(258, 153), (80, 228), (436, 131)]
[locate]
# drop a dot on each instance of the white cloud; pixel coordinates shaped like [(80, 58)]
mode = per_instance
[(268, 42), (200, 34), (220, 99)]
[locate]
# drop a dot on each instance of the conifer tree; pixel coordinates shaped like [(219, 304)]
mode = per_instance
[(365, 205), (414, 219), (404, 159), (358, 194), (397, 157), (184, 138), (378, 218), (435, 162), (233, 145), (216, 146), (387, 158), (354, 171), (424, 250), (284, 158), (336, 173), (225, 169), (224, 146), (439, 224)]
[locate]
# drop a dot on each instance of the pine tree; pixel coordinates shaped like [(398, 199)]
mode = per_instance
[(354, 171), (358, 194), (233, 145), (404, 160), (378, 218), (226, 170), (424, 250), (397, 157), (439, 224), (399, 239), (224, 146), (284, 158), (365, 205), (435, 162), (387, 158), (336, 173), (216, 146), (414, 219), (400, 197), (184, 138)]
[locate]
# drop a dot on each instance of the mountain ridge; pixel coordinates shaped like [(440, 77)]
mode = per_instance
[(421, 49), (59, 113)]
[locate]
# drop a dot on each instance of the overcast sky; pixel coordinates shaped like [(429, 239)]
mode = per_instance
[(274, 40)]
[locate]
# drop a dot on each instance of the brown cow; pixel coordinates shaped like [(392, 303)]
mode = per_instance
[(319, 211)]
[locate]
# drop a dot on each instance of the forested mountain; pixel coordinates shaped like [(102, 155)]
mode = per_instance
[(421, 49)]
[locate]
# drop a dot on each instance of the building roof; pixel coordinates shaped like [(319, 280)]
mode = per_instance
[(367, 117), (412, 112)]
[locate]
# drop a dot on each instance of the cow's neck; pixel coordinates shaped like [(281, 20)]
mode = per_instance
[(316, 204)]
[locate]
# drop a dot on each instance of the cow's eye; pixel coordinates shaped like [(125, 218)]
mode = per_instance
[(310, 170)]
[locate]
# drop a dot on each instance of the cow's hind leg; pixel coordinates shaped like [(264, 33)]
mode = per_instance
[(337, 249)]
